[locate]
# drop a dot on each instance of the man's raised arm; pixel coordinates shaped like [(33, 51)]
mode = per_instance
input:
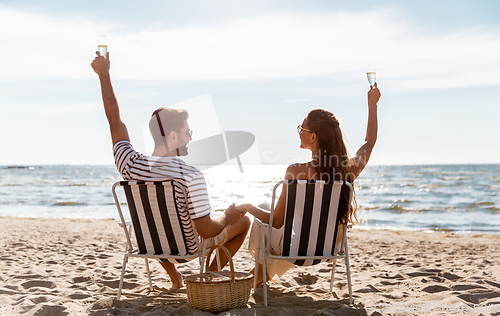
[(116, 126)]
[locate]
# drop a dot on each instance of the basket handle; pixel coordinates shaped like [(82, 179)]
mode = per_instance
[(228, 257)]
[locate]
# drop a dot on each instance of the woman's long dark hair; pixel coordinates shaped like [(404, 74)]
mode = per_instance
[(332, 159)]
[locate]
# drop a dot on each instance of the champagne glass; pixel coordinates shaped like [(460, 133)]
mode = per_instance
[(102, 44), (371, 74)]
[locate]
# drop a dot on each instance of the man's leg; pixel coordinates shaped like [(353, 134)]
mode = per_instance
[(236, 234), (175, 276)]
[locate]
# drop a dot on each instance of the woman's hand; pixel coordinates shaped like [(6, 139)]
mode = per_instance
[(261, 214), (373, 95)]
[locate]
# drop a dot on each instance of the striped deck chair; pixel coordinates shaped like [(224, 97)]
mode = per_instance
[(161, 224), (311, 226)]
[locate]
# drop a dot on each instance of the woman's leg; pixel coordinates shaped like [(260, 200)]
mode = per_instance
[(259, 278)]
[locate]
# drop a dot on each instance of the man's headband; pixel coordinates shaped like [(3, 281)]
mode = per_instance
[(161, 130)]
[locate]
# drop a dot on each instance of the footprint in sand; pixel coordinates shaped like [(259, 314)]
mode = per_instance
[(7, 292), (114, 284), (420, 274), (478, 298), (32, 276), (395, 277), (450, 276), (492, 283), (388, 283), (88, 257), (39, 299), (435, 289), (39, 283), (79, 296), (81, 279), (18, 244), (466, 287), (400, 261), (368, 289), (52, 310), (306, 278)]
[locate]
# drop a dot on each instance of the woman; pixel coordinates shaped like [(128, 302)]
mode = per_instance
[(320, 133)]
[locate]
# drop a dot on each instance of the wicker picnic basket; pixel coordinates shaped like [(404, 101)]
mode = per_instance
[(218, 291)]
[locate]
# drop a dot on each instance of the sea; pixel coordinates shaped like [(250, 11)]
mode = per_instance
[(452, 198)]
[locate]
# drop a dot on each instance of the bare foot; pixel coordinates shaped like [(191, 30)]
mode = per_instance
[(175, 276), (177, 281), (175, 287)]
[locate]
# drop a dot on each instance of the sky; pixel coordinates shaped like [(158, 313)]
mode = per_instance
[(253, 66)]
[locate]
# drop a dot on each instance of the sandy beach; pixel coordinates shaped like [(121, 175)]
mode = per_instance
[(72, 267)]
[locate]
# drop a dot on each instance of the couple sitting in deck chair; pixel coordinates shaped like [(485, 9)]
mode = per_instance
[(330, 165)]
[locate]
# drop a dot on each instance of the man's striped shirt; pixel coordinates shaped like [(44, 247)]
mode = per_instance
[(133, 165)]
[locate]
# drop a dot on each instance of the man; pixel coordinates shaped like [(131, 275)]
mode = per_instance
[(171, 134)]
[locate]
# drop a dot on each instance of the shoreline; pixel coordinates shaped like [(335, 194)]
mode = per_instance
[(59, 266), (355, 226)]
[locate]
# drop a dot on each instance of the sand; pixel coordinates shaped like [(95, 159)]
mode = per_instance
[(72, 267)]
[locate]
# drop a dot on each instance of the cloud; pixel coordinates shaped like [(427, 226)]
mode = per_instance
[(273, 47)]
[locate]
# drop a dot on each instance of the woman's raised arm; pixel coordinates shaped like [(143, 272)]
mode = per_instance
[(362, 156)]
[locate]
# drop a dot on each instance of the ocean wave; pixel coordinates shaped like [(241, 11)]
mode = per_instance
[(369, 208), (440, 229), (494, 210), (71, 183), (483, 203), (403, 201), (461, 172), (408, 185), (361, 187), (473, 207), (454, 178), (401, 209), (113, 203), (61, 203), (430, 186)]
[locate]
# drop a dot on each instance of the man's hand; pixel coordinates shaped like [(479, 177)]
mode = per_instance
[(209, 227), (101, 64), (232, 215)]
